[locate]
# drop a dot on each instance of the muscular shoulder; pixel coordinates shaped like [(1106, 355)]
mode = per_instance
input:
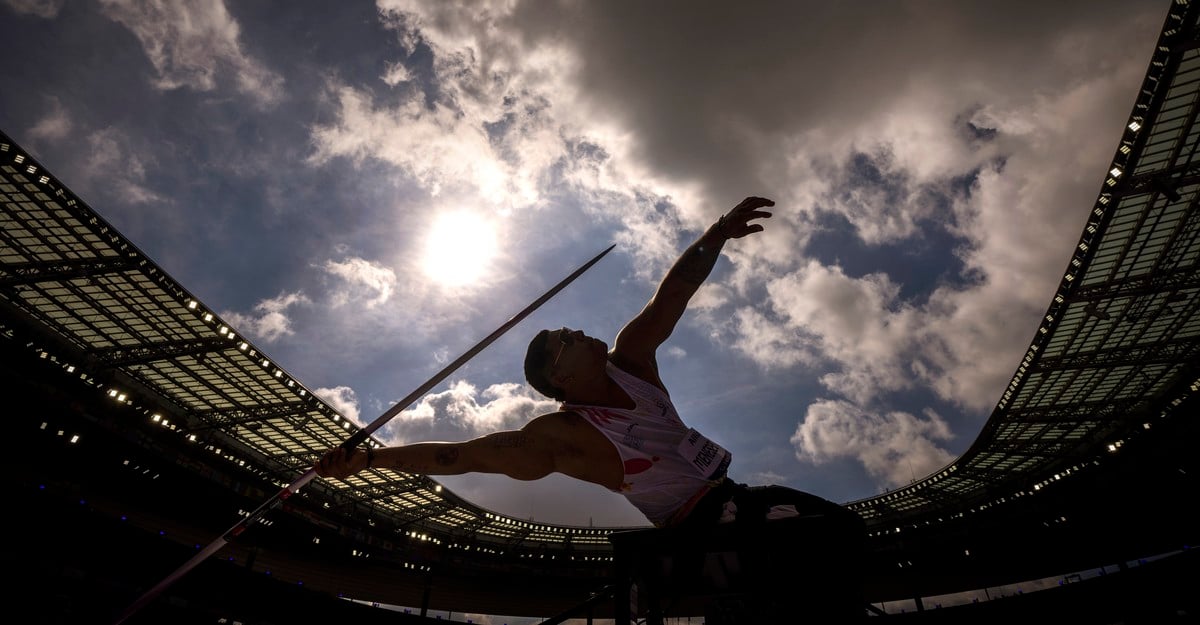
[(555, 424), (567, 433), (580, 450)]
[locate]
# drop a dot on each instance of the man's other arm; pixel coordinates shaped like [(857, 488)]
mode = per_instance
[(638, 341), (525, 454)]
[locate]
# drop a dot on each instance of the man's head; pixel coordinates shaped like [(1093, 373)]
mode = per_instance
[(558, 359), (537, 366)]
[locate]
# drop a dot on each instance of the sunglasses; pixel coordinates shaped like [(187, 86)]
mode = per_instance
[(564, 339)]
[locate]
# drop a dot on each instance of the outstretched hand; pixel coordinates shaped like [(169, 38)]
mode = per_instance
[(341, 463), (736, 223)]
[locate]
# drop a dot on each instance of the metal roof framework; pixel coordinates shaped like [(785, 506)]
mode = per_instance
[(1121, 337), (1118, 345)]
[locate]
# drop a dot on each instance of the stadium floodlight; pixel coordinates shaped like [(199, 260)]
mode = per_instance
[(1134, 126)]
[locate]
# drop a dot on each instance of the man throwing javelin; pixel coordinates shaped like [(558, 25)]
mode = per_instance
[(617, 426)]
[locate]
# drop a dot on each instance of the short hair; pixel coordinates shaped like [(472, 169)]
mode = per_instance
[(536, 369)]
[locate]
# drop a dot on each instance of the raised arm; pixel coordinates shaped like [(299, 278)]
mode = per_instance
[(638, 341)]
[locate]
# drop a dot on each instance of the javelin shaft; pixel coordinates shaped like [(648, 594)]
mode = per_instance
[(352, 442)]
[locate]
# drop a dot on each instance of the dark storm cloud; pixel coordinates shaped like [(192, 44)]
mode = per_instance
[(703, 86)]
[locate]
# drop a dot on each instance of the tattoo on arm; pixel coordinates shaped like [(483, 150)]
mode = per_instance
[(511, 440)]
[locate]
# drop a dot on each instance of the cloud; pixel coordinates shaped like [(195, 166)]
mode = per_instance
[(269, 321), (894, 447), (1015, 206), (193, 45), (857, 323), (395, 74), (778, 77), (884, 200), (766, 478), (462, 412), (367, 281), (47, 9), (118, 164), (343, 399), (55, 125), (768, 343), (494, 123)]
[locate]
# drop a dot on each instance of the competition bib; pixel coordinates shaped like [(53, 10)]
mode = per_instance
[(705, 456)]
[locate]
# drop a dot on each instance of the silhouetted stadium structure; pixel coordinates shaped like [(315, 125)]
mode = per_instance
[(140, 425)]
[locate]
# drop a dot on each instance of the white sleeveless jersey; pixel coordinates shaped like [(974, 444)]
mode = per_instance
[(666, 463)]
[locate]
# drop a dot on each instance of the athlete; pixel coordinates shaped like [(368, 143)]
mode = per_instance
[(616, 426)]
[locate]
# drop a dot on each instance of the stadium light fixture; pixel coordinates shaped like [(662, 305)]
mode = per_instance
[(1135, 126)]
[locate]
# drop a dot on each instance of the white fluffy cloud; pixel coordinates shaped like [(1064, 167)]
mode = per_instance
[(343, 399), (857, 323), (464, 412), (364, 280), (195, 44), (770, 344), (269, 321), (894, 447)]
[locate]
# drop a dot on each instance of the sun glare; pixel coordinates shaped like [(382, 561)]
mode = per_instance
[(459, 247)]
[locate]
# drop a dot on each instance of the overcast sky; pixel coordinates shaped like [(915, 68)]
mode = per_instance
[(367, 189)]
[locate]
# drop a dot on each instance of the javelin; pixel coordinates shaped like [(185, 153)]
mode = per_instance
[(351, 443)]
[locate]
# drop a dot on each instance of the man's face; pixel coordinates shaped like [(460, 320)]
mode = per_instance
[(568, 350)]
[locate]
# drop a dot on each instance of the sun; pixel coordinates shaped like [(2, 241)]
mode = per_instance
[(458, 248)]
